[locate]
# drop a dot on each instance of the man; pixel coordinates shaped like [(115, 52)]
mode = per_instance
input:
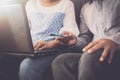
[(100, 58)]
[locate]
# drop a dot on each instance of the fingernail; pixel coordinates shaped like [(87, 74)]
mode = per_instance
[(101, 59), (83, 50), (70, 34), (89, 51)]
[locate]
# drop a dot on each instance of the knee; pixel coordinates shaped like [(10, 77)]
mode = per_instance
[(90, 59), (25, 66), (61, 59), (86, 57), (90, 67)]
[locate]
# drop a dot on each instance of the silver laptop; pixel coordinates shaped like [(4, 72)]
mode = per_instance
[(15, 38)]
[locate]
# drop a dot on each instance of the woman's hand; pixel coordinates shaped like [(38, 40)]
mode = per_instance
[(108, 45), (43, 45), (68, 39), (40, 45)]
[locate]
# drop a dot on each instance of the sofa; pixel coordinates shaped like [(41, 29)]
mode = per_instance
[(78, 4)]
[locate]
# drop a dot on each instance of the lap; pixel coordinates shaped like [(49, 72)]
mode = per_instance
[(38, 68), (69, 60)]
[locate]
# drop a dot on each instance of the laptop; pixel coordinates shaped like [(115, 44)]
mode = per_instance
[(15, 38)]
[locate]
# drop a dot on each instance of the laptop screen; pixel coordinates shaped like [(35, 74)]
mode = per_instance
[(14, 30)]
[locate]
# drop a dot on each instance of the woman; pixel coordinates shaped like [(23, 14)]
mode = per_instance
[(46, 17)]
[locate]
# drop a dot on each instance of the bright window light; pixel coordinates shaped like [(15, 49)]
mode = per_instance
[(3, 2)]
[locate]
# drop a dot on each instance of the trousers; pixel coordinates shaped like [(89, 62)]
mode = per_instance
[(85, 66), (38, 68)]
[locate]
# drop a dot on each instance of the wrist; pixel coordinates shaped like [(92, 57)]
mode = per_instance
[(54, 44)]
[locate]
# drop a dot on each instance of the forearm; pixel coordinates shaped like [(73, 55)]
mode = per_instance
[(54, 44), (115, 38)]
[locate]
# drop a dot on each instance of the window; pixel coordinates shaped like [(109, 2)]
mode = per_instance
[(3, 2)]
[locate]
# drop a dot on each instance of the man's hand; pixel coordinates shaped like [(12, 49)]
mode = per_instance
[(68, 39), (108, 45)]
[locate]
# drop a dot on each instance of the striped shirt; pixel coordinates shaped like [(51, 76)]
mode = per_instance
[(102, 19)]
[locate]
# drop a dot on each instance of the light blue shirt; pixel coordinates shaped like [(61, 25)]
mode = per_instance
[(50, 20), (41, 25)]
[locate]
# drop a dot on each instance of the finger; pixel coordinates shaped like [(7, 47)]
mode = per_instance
[(62, 38), (42, 48), (95, 48), (90, 45), (38, 46), (71, 35), (35, 44), (111, 56), (104, 54), (65, 33)]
